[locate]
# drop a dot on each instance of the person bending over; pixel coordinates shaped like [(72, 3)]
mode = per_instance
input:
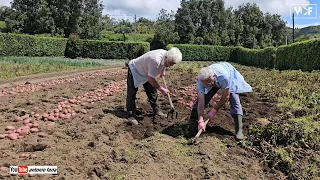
[(142, 71), (224, 77)]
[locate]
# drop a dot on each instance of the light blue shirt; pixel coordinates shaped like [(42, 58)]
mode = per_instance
[(226, 77)]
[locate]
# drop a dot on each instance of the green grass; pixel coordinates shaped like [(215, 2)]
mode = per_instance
[(21, 66)]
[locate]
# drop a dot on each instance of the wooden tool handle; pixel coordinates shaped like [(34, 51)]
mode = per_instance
[(167, 93), (200, 131)]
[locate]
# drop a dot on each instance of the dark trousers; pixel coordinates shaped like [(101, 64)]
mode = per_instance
[(235, 109), (132, 92)]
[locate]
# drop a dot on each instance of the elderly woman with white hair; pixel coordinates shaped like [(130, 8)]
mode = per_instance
[(224, 77), (143, 71)]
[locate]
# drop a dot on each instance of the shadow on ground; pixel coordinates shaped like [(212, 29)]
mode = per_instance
[(181, 129)]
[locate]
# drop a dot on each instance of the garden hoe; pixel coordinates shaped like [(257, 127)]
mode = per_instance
[(172, 110), (193, 140)]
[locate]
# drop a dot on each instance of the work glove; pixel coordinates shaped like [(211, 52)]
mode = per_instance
[(163, 90), (162, 73), (201, 124), (212, 113)]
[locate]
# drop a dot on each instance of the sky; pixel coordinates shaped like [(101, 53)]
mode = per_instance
[(126, 9)]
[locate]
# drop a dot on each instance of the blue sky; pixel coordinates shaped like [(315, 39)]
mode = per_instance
[(126, 9), (300, 20)]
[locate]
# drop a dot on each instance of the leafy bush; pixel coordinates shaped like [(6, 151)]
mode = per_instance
[(112, 50), (27, 45), (74, 46), (192, 52), (303, 55), (264, 58)]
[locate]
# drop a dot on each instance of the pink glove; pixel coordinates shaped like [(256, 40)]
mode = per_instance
[(201, 124), (163, 90), (162, 73), (212, 113)]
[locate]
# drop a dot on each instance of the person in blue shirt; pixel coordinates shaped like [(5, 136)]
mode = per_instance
[(224, 77)]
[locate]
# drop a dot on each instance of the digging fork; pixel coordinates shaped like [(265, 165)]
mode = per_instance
[(172, 110)]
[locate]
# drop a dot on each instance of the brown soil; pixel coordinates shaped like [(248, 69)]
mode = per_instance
[(100, 144)]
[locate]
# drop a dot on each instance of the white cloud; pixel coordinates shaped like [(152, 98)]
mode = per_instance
[(5, 3), (303, 25), (281, 7), (143, 8)]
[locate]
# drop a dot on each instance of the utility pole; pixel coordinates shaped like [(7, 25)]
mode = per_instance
[(293, 28), (135, 27)]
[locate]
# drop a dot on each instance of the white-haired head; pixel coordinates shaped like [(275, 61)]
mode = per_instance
[(205, 73), (174, 55)]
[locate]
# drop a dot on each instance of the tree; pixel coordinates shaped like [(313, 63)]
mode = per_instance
[(108, 23), (90, 22), (164, 30), (184, 25), (4, 12), (252, 18), (31, 17), (123, 25), (145, 26)]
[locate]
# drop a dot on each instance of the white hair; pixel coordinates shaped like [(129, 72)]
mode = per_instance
[(174, 55), (205, 73)]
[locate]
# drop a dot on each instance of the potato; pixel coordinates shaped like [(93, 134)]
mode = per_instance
[(23, 155), (13, 136), (34, 130), (10, 128), (17, 118), (24, 132), (26, 121)]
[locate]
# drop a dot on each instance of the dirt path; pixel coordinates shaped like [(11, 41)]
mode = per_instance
[(83, 130), (5, 83)]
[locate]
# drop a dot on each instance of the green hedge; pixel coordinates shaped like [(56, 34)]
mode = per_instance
[(105, 49), (113, 50), (303, 55), (263, 58), (27, 45), (192, 52), (111, 36)]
